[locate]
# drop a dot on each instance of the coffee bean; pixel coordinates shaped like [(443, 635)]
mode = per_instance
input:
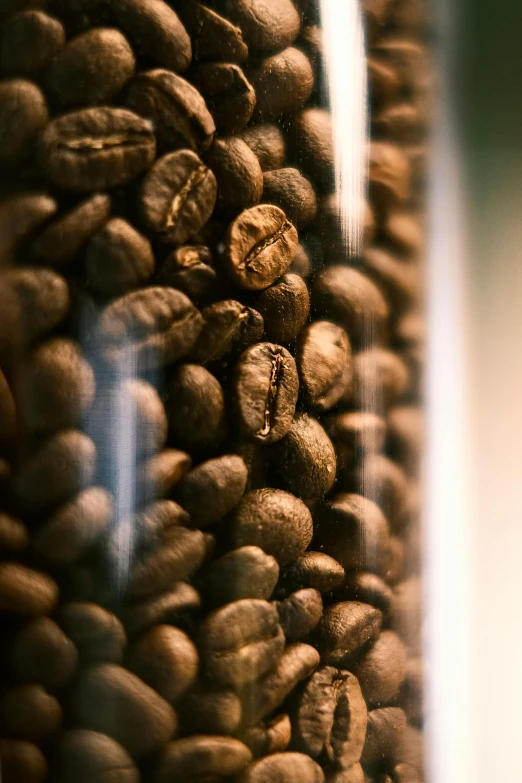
[(314, 569), (285, 306), (213, 488), (269, 737), (164, 658), (389, 174), (260, 245), (118, 259), (29, 40), (20, 215), (13, 6), (214, 38), (406, 611), (115, 702), (24, 591), (276, 521), (287, 767), (177, 196), (206, 710), (300, 613), (385, 729), (407, 57), (181, 554), (241, 641), (383, 80), (398, 280), (166, 607), (97, 633), (404, 232), (266, 27), (22, 761), (305, 459), (324, 359), (201, 757), (366, 587), (176, 109), (312, 144), (229, 326), (330, 722), (346, 627), (190, 269), (42, 653), (8, 423), (406, 435), (152, 524), (408, 750), (353, 774), (23, 114), (29, 712), (90, 757), (229, 95), (160, 473), (289, 190), (268, 143), (14, 536), (246, 572), (283, 84), (153, 327), (381, 669), (238, 174), (266, 387), (412, 691), (195, 407), (355, 434), (384, 482)]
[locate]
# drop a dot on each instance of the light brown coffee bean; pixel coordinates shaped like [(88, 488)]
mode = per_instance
[(266, 27), (229, 327), (207, 710), (238, 174), (164, 658), (312, 146), (228, 94), (381, 669), (367, 588), (180, 556), (384, 482), (160, 473), (316, 570), (84, 756), (96, 632), (28, 712), (26, 592), (293, 193), (300, 613), (42, 653), (20, 215), (268, 143), (29, 41), (283, 84), (285, 307), (348, 626), (213, 37), (399, 280), (23, 115), (213, 489), (324, 360), (201, 757), (384, 732), (389, 174), (21, 760), (272, 736), (181, 599), (118, 259), (14, 536), (287, 767)]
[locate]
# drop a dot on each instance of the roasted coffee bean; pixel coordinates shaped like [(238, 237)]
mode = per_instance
[(283, 84), (381, 669), (314, 569), (177, 196), (14, 536), (201, 757), (268, 143), (287, 767), (285, 307), (213, 37), (95, 149), (404, 232), (354, 774), (238, 174), (400, 122), (26, 592), (29, 712), (229, 95), (195, 407), (206, 710), (324, 360), (160, 473), (346, 627), (380, 379), (118, 259), (355, 434), (260, 245), (20, 215), (22, 761), (383, 79), (366, 587), (246, 572), (152, 524), (389, 174), (266, 387), (190, 269), (155, 31), (274, 520), (153, 327), (407, 57), (406, 613), (270, 737), (305, 459), (266, 27), (96, 632), (289, 190), (384, 731), (164, 658), (399, 280), (8, 423), (166, 607), (115, 702), (181, 554), (57, 387), (75, 527), (90, 757), (23, 114), (382, 481), (312, 143), (229, 326), (29, 40), (408, 750), (411, 695), (330, 722), (176, 109), (91, 69), (42, 653), (406, 432), (213, 488), (300, 613), (241, 641)]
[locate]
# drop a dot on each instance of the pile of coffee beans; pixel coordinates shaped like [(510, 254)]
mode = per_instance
[(210, 415)]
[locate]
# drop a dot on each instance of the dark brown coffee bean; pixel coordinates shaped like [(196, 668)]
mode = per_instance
[(277, 522), (382, 481), (23, 114), (115, 702), (181, 554), (155, 31), (383, 80), (356, 433), (14, 536), (20, 215), (266, 387), (400, 122), (91, 69), (153, 327), (398, 280), (29, 40), (238, 174), (266, 27), (260, 246), (283, 84), (176, 109), (90, 757), (287, 767), (381, 669), (289, 190), (408, 750), (209, 711), (229, 326), (24, 591), (213, 488), (330, 723), (190, 269), (406, 435), (412, 691), (305, 459), (164, 658), (97, 633), (214, 38), (229, 95), (347, 626), (195, 406), (405, 232), (285, 306), (300, 613), (8, 415), (13, 6), (314, 569), (177, 196), (366, 587), (348, 297), (56, 387), (118, 259), (355, 530), (160, 473), (268, 143), (389, 174), (246, 572), (241, 641), (30, 713), (385, 729), (312, 142), (201, 757), (22, 761), (324, 359), (166, 607), (269, 737), (375, 16), (42, 653), (406, 613)]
